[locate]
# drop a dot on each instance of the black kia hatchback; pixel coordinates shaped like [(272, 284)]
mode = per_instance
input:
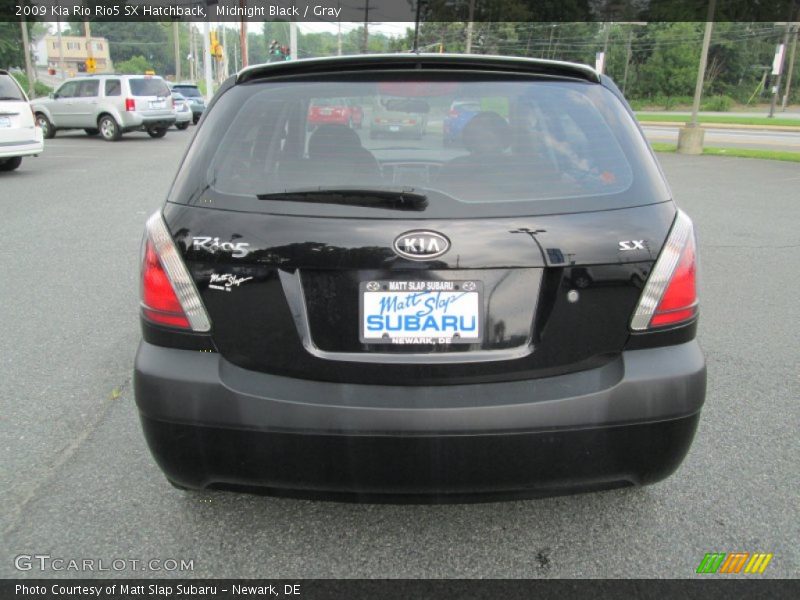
[(511, 314)]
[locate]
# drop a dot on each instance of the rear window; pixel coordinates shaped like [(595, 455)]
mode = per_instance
[(88, 88), (113, 87), (337, 102), (532, 147), (9, 89), (188, 91), (149, 87)]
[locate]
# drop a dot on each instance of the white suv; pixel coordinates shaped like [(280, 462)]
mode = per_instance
[(19, 135), (109, 105)]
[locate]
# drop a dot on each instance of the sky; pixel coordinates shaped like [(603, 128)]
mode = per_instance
[(391, 29)]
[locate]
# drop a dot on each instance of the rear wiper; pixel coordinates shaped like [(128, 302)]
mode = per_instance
[(402, 199)]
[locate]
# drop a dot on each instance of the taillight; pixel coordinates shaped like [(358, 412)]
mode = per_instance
[(670, 295), (130, 104), (159, 302), (452, 113), (168, 294)]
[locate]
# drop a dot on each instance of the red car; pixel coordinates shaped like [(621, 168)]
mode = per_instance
[(338, 111)]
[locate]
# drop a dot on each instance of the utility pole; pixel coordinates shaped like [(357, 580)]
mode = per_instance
[(207, 60), (89, 54), (339, 31), (600, 57), (293, 40), (61, 64), (790, 70), (778, 66), (701, 70), (365, 47), (243, 37), (177, 46), (192, 54), (628, 52), (222, 66), (235, 56), (690, 137), (471, 26), (28, 66), (416, 29)]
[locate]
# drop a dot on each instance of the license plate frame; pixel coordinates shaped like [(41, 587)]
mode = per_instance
[(423, 299)]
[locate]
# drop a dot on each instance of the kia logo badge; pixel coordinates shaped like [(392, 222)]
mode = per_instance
[(421, 245)]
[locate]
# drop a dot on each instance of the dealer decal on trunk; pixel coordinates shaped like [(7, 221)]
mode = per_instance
[(226, 281)]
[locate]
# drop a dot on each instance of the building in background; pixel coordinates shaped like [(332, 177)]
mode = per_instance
[(76, 53), (39, 50)]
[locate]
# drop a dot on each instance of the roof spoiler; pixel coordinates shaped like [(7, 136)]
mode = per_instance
[(421, 62)]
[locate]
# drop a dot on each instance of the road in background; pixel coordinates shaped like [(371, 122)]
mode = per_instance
[(79, 482), (722, 137)]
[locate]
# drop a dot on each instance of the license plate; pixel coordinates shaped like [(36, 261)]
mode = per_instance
[(5, 122), (421, 312), (394, 128), (158, 104)]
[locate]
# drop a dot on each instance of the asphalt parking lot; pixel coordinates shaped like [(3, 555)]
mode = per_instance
[(77, 481)]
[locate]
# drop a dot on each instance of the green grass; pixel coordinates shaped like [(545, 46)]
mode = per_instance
[(664, 147), (737, 152), (40, 89), (723, 119)]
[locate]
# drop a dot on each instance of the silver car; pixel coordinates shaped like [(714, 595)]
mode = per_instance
[(183, 111), (108, 105)]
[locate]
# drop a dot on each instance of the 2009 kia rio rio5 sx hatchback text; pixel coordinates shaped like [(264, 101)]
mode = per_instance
[(511, 314)]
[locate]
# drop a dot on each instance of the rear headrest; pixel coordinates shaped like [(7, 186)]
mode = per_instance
[(331, 140), (486, 133)]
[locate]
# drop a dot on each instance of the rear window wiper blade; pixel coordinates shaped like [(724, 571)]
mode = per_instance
[(397, 199)]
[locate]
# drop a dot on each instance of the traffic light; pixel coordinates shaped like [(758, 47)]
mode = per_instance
[(91, 65), (216, 47)]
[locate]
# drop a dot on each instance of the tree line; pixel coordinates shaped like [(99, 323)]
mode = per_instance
[(655, 62)]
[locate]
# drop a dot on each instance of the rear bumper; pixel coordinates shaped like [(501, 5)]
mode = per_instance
[(133, 121), (23, 148), (629, 422)]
